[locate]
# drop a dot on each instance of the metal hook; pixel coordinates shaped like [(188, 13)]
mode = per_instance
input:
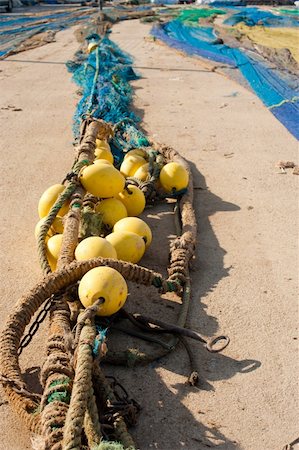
[(210, 344)]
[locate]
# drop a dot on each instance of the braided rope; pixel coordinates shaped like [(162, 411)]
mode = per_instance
[(59, 359), (41, 244), (92, 426), (81, 391)]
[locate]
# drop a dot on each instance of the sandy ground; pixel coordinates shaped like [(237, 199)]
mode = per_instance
[(245, 274)]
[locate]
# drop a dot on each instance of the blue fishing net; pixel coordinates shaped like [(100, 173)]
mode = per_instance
[(255, 16), (16, 29), (278, 95), (200, 41), (104, 77)]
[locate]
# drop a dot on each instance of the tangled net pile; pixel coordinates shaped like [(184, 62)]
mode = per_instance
[(80, 407)]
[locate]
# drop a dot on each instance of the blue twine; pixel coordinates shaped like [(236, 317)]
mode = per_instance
[(100, 338)]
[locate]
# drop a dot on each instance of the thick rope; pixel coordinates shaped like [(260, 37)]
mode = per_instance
[(82, 389), (57, 372), (92, 426)]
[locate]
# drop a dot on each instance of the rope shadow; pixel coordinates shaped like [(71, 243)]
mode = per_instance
[(32, 379), (208, 268)]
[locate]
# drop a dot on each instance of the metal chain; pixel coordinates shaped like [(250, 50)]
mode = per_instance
[(127, 407), (25, 341)]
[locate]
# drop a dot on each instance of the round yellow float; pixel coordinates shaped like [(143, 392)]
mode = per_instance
[(106, 284), (129, 246), (112, 210), (174, 177), (133, 199), (102, 180), (135, 225), (48, 199), (130, 164), (93, 247)]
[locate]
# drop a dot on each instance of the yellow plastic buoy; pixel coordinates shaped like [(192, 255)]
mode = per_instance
[(130, 164), (93, 247), (174, 177), (102, 180), (48, 199), (54, 244), (56, 227), (103, 153), (136, 151), (112, 210), (143, 172), (133, 199), (106, 284), (129, 246), (135, 225)]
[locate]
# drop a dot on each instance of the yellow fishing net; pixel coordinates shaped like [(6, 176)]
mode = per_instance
[(273, 37)]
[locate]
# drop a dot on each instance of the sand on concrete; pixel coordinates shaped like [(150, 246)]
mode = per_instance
[(245, 275)]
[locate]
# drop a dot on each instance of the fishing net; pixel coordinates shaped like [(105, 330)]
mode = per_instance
[(106, 92), (255, 16), (292, 12), (194, 15), (14, 32), (273, 37)]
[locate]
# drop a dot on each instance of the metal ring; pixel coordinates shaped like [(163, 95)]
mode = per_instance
[(212, 342)]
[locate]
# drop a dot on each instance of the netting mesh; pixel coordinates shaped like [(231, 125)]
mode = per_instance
[(103, 77), (16, 30), (256, 16), (194, 15)]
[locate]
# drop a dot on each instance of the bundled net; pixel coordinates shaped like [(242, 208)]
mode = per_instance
[(104, 77)]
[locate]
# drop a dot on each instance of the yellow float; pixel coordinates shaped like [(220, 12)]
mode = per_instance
[(112, 210), (131, 164), (135, 225), (54, 244), (174, 177), (134, 200), (93, 247), (104, 284), (48, 199), (102, 180), (129, 246), (56, 227), (143, 172)]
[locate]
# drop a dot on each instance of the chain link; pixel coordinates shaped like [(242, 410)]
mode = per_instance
[(25, 341)]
